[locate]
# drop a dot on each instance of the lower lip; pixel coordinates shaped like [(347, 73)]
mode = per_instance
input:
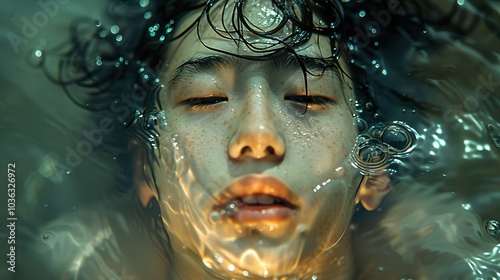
[(262, 213)]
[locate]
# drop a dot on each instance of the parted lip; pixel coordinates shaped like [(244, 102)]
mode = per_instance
[(257, 185)]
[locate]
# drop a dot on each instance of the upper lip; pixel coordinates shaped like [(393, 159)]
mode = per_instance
[(255, 184)]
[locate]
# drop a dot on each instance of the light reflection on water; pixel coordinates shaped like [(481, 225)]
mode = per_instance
[(421, 228)]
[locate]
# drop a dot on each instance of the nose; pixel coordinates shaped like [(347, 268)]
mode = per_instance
[(256, 136)]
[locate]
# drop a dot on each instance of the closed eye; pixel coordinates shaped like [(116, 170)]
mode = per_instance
[(311, 101), (201, 102)]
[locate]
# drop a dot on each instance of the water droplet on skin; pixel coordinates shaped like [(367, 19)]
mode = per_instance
[(215, 216), (302, 230), (492, 227)]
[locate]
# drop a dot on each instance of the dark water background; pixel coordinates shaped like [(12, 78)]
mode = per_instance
[(431, 87)]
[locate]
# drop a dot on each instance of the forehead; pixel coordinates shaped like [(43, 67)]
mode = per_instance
[(255, 28)]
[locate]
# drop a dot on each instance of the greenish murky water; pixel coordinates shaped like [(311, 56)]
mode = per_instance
[(75, 192)]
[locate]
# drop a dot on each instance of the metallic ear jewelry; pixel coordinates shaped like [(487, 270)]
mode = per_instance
[(379, 145)]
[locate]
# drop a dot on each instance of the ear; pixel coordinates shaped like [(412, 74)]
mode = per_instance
[(372, 190), (142, 182)]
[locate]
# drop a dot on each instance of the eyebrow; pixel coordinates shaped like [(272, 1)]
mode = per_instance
[(203, 65), (216, 63)]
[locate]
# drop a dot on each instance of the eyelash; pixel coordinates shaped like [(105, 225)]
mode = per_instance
[(310, 100), (202, 102)]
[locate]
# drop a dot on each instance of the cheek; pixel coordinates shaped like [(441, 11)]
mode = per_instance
[(204, 146), (323, 142)]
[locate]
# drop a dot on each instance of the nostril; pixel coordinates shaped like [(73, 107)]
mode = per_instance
[(270, 150), (245, 150)]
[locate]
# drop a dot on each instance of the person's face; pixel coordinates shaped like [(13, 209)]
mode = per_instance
[(240, 135)]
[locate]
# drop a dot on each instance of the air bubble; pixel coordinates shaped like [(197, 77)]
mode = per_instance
[(97, 23), (148, 15), (369, 105), (372, 155), (231, 206), (144, 3), (492, 227), (103, 33), (36, 57), (45, 236), (369, 156), (399, 138), (98, 61), (361, 124), (114, 29)]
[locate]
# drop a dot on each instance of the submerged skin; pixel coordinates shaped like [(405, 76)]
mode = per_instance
[(241, 118)]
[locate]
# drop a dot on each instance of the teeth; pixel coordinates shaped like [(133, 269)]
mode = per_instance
[(262, 199), (250, 199), (265, 199)]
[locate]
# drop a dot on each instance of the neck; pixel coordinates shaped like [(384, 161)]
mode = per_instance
[(335, 263)]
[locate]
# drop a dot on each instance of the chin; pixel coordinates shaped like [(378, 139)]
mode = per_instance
[(255, 255)]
